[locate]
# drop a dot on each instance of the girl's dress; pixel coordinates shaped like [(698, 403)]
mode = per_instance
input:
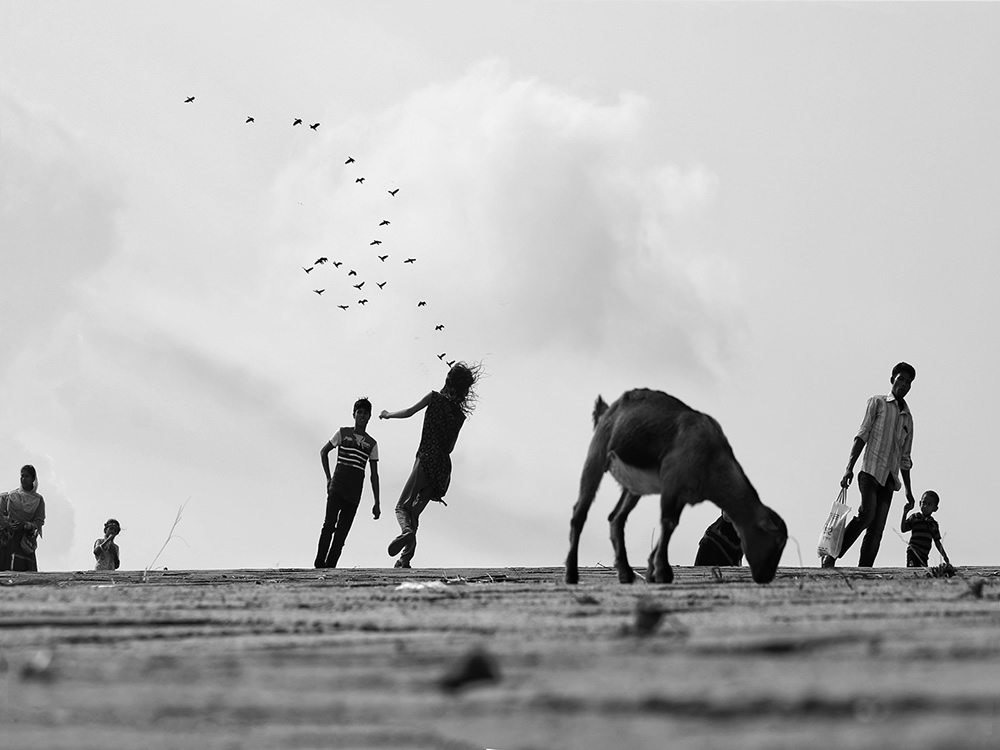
[(442, 422)]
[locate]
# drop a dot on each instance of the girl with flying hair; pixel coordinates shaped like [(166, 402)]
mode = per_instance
[(431, 473)]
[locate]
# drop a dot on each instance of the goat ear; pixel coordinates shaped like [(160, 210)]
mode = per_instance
[(599, 408), (773, 523)]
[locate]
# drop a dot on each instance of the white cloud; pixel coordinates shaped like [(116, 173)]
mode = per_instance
[(57, 222), (536, 218)]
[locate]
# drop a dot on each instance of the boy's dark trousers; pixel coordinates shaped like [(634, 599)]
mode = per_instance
[(342, 501), (872, 513)]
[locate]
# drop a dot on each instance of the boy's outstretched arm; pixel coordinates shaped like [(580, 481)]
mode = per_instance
[(905, 524), (940, 548)]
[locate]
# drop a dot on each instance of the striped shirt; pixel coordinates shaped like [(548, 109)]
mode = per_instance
[(923, 530), (354, 450), (887, 430)]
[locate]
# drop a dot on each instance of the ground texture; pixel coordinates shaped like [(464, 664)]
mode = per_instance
[(500, 658)]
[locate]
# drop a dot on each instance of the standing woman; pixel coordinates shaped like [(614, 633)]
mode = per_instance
[(431, 473), (22, 514)]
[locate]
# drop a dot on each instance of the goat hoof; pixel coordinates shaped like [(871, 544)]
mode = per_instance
[(626, 575), (665, 576), (572, 577)]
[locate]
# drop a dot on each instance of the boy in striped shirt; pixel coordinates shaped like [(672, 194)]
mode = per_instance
[(355, 449), (923, 529)]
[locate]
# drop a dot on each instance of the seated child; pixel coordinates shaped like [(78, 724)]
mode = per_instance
[(720, 544), (105, 550), (923, 529)]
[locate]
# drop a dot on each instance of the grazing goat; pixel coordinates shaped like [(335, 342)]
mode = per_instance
[(652, 443)]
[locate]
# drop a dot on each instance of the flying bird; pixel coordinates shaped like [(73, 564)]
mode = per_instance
[(384, 223), (314, 125), (343, 307), (307, 270), (360, 179), (450, 362), (338, 263), (382, 285), (393, 192), (189, 99), (350, 160), (358, 286), (250, 119), (320, 261), (362, 301), (352, 272), (298, 121), (382, 258), (421, 303), (410, 260), (319, 291), (442, 355), (439, 327), (375, 242)]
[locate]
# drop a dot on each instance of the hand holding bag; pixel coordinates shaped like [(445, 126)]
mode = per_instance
[(832, 535)]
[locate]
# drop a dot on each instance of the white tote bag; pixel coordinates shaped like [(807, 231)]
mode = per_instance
[(833, 530)]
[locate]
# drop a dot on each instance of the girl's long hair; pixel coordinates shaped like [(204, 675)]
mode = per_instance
[(459, 385)]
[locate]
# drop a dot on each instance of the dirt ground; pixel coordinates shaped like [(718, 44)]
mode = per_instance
[(371, 658)]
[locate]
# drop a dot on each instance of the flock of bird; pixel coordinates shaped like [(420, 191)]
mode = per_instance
[(323, 260)]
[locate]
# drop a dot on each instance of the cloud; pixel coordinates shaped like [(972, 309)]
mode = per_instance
[(57, 213), (536, 217)]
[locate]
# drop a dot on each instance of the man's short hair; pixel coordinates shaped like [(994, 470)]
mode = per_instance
[(362, 403), (904, 367)]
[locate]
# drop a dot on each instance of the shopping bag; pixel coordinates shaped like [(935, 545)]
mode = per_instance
[(833, 530)]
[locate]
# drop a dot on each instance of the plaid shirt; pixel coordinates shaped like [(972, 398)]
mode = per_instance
[(887, 430)]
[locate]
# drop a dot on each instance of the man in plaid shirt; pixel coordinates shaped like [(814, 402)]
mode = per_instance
[(886, 435)]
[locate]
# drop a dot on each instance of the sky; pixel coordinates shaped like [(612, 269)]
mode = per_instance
[(758, 208)]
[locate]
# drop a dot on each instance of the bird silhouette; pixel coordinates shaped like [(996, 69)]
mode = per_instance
[(358, 286), (442, 355), (320, 261), (393, 192), (421, 303), (384, 223), (314, 126), (307, 270), (382, 258), (450, 362), (439, 327), (360, 179), (319, 291), (297, 121), (338, 263), (189, 99), (382, 285), (410, 260), (343, 307), (250, 119), (375, 242), (350, 160), (352, 272), (362, 301)]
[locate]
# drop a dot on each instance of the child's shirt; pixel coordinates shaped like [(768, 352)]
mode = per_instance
[(107, 557), (924, 530), (354, 451)]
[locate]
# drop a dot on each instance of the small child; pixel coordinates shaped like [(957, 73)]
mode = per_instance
[(924, 529), (105, 550)]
